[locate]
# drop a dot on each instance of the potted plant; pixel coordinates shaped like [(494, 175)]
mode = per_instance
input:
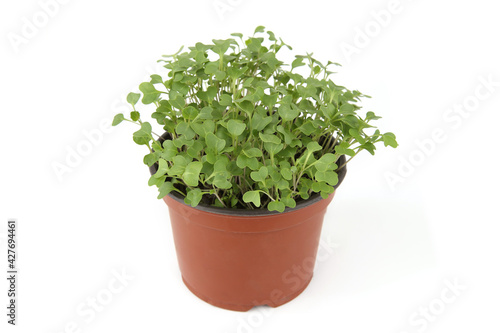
[(252, 152)]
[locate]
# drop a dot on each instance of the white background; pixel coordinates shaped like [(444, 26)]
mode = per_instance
[(394, 247)]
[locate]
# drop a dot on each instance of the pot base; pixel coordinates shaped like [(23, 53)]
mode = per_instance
[(246, 307)]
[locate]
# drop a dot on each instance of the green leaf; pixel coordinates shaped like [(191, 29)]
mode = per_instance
[(299, 61), (221, 174), (287, 112), (282, 185), (153, 181), (321, 187), (222, 182), (169, 125), (357, 135), (220, 75), (185, 130), (150, 159), (156, 146), (162, 168), (236, 72), (133, 98), (215, 143), (211, 68), (220, 165), (220, 45), (368, 146), (346, 109), (182, 141), (307, 128), (270, 100), (242, 161), (165, 189), (371, 116), (261, 175), (276, 206), (343, 149), (177, 77), (328, 110), (206, 113), (326, 162), (143, 136), (190, 112), (271, 138), (260, 28), (211, 93), (134, 115), (176, 100), (314, 146), (287, 135), (195, 149), (252, 152), (272, 37), (202, 129), (274, 173), (211, 157), (235, 127), (258, 123), (193, 197), (389, 140), (273, 148), (226, 100), (118, 119), (178, 166), (155, 78), (305, 185), (246, 106), (351, 120), (286, 173), (252, 196), (192, 173), (289, 202), (169, 150), (150, 94), (329, 177)]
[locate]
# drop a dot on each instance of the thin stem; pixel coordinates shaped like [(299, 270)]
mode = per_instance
[(356, 153), (223, 204), (139, 123)]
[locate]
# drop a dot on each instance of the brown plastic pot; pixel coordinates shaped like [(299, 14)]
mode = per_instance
[(237, 259)]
